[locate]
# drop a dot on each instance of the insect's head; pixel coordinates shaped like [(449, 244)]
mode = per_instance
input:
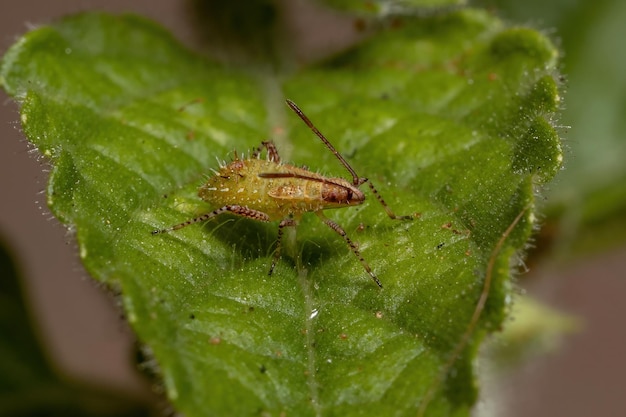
[(341, 193)]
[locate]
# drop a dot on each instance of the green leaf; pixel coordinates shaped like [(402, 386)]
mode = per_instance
[(585, 213), (448, 116)]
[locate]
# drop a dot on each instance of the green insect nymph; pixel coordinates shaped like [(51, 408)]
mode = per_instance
[(269, 190)]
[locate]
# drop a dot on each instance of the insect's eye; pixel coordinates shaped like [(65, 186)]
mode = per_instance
[(349, 195)]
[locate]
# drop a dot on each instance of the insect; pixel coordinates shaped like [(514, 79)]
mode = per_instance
[(269, 190)]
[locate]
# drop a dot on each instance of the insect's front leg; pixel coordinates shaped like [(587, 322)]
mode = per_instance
[(235, 209), (339, 230), (380, 199), (289, 222), (272, 152)]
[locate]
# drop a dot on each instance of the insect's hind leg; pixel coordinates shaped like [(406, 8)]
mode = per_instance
[(272, 152), (339, 230), (289, 222), (235, 209)]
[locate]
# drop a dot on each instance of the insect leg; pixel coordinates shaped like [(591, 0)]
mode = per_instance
[(382, 202), (272, 152), (339, 230), (284, 223), (235, 209)]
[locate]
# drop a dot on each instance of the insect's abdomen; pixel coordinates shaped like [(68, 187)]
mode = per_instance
[(238, 183)]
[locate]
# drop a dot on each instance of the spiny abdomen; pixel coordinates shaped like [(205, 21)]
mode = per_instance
[(239, 183)]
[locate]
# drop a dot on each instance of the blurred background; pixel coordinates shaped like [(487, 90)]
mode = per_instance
[(578, 265)]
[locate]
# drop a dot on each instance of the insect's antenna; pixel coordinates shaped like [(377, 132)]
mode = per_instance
[(355, 178)]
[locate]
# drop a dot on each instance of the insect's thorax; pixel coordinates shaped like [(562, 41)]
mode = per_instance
[(300, 190)]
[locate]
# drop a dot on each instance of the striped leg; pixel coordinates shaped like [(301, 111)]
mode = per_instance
[(235, 209), (339, 230), (284, 223), (382, 202), (272, 152)]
